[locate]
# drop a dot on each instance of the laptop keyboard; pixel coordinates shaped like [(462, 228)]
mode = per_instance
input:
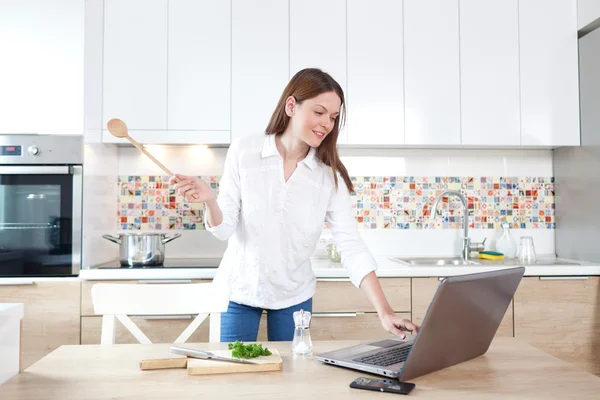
[(386, 357)]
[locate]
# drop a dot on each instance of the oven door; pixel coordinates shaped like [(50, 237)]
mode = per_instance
[(40, 220)]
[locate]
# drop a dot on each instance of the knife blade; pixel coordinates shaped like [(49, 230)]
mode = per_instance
[(207, 355)]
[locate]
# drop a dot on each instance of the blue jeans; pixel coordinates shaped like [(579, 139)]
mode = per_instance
[(240, 322)]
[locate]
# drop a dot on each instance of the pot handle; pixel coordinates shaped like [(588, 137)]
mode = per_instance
[(114, 239), (168, 239)]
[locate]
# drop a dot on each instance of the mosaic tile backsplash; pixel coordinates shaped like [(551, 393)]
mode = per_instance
[(381, 202)]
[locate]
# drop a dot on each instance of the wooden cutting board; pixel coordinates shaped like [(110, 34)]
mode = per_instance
[(163, 363), (197, 366)]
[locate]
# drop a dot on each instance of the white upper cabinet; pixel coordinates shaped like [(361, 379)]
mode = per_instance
[(549, 73), (431, 72), (375, 94), (260, 62), (318, 39), (167, 70), (587, 12), (489, 72), (199, 68), (41, 72), (415, 72), (93, 65), (135, 63)]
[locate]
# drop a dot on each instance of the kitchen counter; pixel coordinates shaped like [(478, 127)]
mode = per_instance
[(205, 268), (11, 310), (510, 369), (173, 268), (388, 268)]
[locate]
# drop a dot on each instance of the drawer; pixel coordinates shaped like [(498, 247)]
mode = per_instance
[(87, 308), (340, 326), (340, 295), (160, 329), (350, 326)]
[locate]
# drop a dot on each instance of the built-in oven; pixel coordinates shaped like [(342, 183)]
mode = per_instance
[(41, 190)]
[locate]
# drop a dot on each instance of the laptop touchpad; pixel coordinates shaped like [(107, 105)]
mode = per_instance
[(386, 343)]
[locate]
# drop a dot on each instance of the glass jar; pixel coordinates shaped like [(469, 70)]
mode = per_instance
[(332, 252), (302, 343)]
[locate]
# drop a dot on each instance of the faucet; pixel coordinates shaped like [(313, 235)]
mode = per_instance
[(467, 245)]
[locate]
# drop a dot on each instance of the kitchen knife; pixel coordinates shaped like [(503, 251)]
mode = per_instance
[(207, 355)]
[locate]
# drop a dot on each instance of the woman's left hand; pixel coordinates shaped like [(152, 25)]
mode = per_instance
[(394, 324)]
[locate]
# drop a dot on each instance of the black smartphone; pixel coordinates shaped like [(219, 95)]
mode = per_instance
[(383, 385)]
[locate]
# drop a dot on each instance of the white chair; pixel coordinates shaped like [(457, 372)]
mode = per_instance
[(121, 300)]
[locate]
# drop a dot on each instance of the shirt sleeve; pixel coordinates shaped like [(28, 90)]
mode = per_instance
[(356, 257), (229, 198)]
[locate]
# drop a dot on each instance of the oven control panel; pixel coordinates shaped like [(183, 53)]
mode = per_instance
[(41, 149), (15, 151)]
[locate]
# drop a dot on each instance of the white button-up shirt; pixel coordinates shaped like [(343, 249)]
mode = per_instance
[(273, 226)]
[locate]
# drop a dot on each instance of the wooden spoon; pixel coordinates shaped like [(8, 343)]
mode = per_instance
[(118, 129)]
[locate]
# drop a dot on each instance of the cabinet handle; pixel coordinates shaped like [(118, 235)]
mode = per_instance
[(15, 282), (563, 278), (35, 169), (333, 280), (159, 317), (336, 315), (165, 281)]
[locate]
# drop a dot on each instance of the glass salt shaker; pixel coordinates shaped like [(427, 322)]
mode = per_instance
[(302, 343)]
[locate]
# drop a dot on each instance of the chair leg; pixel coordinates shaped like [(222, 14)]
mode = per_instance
[(108, 330), (215, 328)]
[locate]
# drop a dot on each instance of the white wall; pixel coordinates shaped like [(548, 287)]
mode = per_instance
[(587, 11), (99, 203)]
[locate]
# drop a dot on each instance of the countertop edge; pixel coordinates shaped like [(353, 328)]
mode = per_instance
[(323, 269), (341, 273)]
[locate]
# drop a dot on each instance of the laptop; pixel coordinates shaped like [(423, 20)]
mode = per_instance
[(459, 325)]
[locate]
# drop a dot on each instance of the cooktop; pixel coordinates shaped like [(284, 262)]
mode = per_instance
[(169, 263)]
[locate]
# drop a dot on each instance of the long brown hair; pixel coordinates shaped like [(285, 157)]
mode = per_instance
[(306, 84)]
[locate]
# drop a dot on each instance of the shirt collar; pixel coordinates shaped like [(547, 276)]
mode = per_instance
[(269, 149)]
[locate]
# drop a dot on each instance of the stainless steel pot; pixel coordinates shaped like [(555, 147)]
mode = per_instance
[(141, 249)]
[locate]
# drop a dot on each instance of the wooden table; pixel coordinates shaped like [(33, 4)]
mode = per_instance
[(510, 369)]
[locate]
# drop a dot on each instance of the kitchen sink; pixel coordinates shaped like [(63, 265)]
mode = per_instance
[(439, 261), (458, 261)]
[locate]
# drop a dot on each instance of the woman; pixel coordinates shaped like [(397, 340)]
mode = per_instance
[(275, 193)]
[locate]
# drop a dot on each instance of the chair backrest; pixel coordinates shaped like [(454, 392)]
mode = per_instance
[(117, 301)]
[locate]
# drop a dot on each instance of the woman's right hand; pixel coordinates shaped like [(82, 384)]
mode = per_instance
[(192, 188)]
